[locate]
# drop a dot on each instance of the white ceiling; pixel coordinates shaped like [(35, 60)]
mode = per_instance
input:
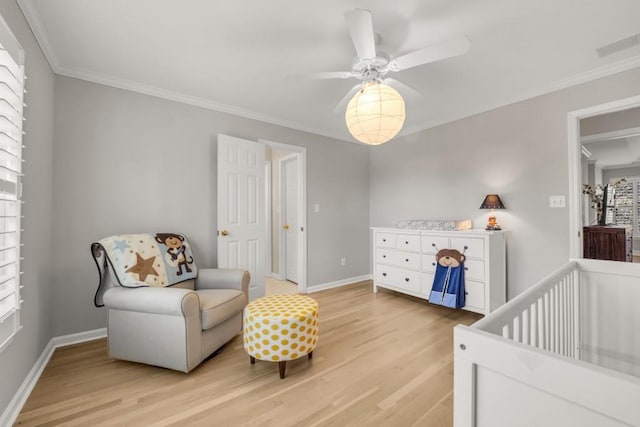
[(614, 153), (235, 56)]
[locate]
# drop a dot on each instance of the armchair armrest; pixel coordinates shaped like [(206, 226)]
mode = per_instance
[(167, 301), (223, 278)]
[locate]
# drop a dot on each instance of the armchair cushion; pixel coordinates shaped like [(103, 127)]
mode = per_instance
[(165, 301), (217, 305)]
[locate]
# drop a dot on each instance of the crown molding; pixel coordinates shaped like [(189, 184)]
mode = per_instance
[(596, 73), (32, 15), (158, 92)]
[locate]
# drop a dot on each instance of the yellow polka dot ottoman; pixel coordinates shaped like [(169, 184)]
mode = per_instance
[(278, 328)]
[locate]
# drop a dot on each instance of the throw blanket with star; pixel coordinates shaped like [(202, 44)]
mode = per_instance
[(138, 260)]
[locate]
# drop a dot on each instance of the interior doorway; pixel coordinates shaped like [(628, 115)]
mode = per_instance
[(286, 229), (580, 168)]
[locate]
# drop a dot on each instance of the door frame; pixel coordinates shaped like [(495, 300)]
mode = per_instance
[(575, 164), (267, 214), (301, 152), (282, 253)]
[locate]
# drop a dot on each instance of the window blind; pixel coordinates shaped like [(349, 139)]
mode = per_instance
[(11, 119)]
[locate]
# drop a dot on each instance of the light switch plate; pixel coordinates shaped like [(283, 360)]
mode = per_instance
[(557, 201)]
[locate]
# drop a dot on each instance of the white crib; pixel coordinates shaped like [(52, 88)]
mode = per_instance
[(564, 353)]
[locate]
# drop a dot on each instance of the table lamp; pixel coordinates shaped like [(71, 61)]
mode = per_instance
[(492, 201)]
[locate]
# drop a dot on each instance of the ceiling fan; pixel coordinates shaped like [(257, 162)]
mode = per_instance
[(375, 111), (372, 66)]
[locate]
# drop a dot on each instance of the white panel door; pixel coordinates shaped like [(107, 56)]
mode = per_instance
[(290, 168), (241, 209)]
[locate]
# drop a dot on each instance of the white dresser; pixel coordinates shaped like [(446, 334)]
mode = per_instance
[(405, 261)]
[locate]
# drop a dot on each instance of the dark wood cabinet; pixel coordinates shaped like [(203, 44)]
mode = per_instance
[(608, 243)]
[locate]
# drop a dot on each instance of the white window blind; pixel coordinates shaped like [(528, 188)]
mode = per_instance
[(11, 119)]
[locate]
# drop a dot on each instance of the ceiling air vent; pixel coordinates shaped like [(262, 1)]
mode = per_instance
[(618, 46)]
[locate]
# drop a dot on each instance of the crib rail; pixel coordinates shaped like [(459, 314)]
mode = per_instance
[(546, 316)]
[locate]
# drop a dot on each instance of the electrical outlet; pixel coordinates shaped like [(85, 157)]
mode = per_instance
[(557, 202), (343, 261)]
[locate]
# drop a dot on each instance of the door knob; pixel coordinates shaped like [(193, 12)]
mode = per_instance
[(286, 226), (224, 232)]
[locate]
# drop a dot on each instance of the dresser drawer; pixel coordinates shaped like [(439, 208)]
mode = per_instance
[(408, 242), (397, 258), (399, 278), (472, 247), (432, 244), (428, 263), (427, 283), (385, 240), (474, 294), (474, 269)]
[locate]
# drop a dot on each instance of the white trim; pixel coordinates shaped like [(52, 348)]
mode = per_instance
[(302, 210), (79, 337), (268, 220), (575, 149), (607, 136), (32, 15), (276, 276), (14, 407), (339, 283)]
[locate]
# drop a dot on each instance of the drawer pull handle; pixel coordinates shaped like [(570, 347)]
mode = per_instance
[(466, 247), (384, 240), (406, 259), (433, 263), (384, 256), (466, 293), (406, 279), (384, 274), (466, 269), (433, 244), (406, 242)]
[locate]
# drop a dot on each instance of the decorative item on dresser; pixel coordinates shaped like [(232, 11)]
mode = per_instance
[(405, 261), (607, 243), (492, 201)]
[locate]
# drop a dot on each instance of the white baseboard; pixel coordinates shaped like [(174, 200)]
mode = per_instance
[(12, 411), (276, 276), (338, 283), (79, 337), (8, 417)]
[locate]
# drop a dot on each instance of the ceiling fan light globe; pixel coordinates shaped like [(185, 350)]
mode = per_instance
[(375, 114)]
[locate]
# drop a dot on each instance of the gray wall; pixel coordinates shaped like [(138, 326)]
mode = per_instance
[(126, 162), (518, 151), (20, 356)]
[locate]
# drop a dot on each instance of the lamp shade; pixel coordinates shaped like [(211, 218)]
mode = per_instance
[(492, 201), (375, 114)]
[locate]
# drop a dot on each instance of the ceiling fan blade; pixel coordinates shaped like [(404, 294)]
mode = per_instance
[(404, 89), (360, 27), (433, 53), (342, 105)]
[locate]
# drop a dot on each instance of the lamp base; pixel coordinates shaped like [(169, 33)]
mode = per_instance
[(492, 224)]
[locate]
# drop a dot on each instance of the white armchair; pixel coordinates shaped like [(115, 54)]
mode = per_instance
[(175, 327)]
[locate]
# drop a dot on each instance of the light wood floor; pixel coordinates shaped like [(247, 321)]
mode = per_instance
[(381, 360), (279, 287)]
